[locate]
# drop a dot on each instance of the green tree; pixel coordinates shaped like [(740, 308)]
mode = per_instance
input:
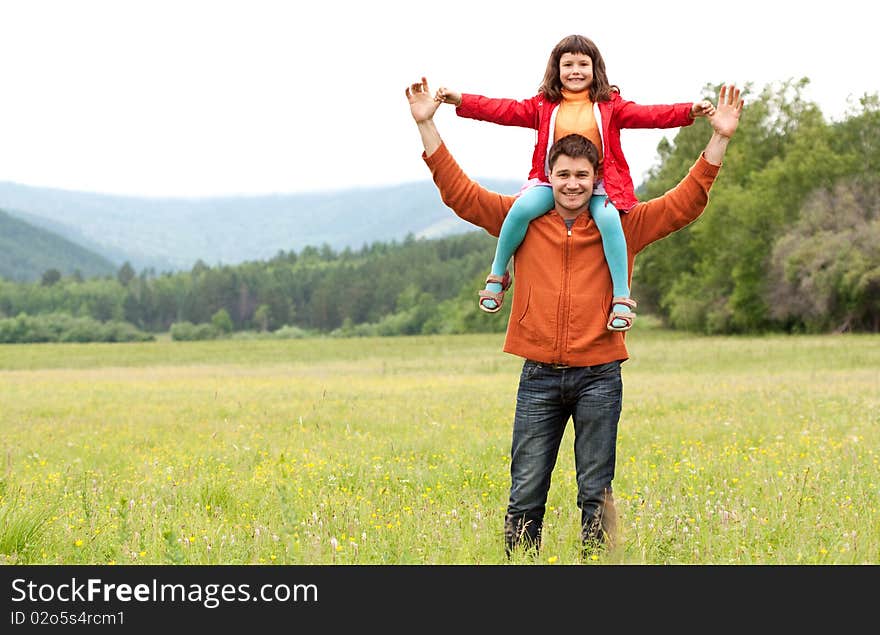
[(261, 317), (825, 272), (222, 321), (50, 277), (125, 274)]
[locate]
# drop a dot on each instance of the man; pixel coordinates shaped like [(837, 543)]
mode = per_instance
[(557, 321)]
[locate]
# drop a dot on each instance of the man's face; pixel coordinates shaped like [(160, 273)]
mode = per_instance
[(572, 182)]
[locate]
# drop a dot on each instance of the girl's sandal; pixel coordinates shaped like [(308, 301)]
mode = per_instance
[(627, 317), (497, 297)]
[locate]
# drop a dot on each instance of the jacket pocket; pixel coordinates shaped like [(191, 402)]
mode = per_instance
[(537, 321), (588, 315)]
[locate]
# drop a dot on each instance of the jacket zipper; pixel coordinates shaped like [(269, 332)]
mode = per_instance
[(562, 329)]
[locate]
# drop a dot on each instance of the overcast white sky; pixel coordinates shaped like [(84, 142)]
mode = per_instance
[(191, 97)]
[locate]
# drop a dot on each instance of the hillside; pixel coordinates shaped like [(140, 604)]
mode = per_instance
[(27, 251), (171, 234)]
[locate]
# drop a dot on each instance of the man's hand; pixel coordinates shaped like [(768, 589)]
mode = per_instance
[(725, 119), (724, 122), (421, 104)]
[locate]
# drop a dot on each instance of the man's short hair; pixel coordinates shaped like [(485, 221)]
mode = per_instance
[(575, 146)]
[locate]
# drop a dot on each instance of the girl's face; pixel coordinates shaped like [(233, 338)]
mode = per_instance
[(575, 71)]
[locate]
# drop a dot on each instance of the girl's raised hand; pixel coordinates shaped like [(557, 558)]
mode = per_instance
[(702, 109), (446, 96)]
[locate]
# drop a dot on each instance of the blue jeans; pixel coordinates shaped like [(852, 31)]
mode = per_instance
[(547, 397)]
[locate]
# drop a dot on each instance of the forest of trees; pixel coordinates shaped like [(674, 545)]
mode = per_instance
[(382, 289), (790, 242), (791, 239)]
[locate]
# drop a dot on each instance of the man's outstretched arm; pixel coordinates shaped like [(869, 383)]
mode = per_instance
[(467, 198)]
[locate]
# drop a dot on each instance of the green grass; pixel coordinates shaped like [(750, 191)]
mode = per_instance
[(759, 450)]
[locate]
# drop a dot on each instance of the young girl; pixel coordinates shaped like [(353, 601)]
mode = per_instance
[(575, 96)]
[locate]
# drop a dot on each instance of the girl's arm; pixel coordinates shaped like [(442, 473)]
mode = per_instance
[(506, 112), (632, 115)]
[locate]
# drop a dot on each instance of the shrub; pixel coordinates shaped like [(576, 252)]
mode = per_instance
[(62, 327), (189, 332)]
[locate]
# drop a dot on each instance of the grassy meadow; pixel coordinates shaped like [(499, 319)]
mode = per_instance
[(758, 450)]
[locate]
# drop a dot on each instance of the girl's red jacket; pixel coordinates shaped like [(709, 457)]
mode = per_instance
[(612, 116)]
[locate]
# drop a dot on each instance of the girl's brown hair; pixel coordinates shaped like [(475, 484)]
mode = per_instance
[(551, 87)]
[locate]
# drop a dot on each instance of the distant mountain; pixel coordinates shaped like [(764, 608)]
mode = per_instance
[(170, 234), (27, 251)]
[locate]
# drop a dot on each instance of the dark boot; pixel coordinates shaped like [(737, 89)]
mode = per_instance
[(599, 527), (522, 532)]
